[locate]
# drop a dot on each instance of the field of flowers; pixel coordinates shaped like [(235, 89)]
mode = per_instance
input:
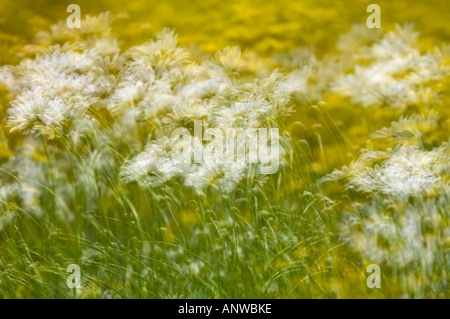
[(89, 175)]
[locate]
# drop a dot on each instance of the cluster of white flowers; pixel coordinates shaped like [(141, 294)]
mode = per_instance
[(187, 92), (408, 169), (397, 73), (20, 183), (373, 69), (61, 91), (53, 90), (397, 235), (172, 92)]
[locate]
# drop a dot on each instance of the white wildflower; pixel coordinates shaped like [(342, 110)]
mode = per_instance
[(222, 176), (405, 171), (398, 75)]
